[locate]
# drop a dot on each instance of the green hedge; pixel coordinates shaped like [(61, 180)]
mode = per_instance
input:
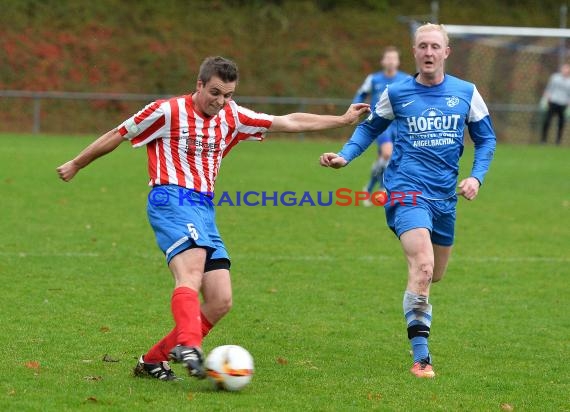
[(284, 48)]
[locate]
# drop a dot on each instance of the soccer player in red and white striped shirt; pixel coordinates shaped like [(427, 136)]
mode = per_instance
[(186, 138)]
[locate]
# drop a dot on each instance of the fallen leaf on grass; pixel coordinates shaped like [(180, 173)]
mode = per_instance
[(307, 364), (93, 378), (11, 392), (91, 399), (32, 365), (190, 396), (374, 396), (507, 407), (282, 361), (104, 329), (107, 358)]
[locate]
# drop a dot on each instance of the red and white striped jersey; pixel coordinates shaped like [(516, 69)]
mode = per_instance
[(185, 148)]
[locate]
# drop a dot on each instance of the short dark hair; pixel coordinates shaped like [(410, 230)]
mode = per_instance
[(389, 49), (219, 66)]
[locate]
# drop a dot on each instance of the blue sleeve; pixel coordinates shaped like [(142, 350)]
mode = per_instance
[(363, 136), (483, 137), (364, 91), (360, 97)]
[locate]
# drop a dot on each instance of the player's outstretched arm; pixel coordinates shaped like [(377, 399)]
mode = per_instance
[(307, 122), (332, 160), (364, 134), (103, 145)]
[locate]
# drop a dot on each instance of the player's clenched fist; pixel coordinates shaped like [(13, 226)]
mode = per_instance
[(67, 170), (468, 188), (332, 160)]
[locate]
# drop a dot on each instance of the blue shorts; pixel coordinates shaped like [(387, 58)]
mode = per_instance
[(383, 138), (438, 216), (182, 219), (386, 136)]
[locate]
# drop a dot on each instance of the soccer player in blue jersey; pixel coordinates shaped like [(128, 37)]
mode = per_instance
[(430, 111), (372, 88)]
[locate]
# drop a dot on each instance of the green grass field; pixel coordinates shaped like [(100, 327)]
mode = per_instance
[(318, 290)]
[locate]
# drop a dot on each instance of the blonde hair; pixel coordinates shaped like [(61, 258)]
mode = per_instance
[(429, 27)]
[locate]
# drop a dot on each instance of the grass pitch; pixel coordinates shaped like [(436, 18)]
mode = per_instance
[(318, 290)]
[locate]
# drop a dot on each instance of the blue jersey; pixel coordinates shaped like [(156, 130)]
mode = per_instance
[(430, 124), (374, 85)]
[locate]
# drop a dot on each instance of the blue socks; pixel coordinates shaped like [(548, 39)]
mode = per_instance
[(419, 348), (377, 174), (417, 312)]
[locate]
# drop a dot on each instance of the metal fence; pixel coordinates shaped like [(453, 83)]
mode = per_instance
[(37, 97), (501, 113)]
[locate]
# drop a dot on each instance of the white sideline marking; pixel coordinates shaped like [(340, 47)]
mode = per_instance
[(484, 259), (369, 258), (50, 254), (397, 256), (309, 258), (531, 259)]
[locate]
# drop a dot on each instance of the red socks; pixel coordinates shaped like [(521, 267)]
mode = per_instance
[(187, 315), (206, 325), (185, 306), (160, 351)]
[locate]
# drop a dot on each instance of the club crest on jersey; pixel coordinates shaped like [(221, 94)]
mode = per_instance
[(452, 101)]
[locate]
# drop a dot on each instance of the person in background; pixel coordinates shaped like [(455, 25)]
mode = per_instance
[(557, 95), (372, 88)]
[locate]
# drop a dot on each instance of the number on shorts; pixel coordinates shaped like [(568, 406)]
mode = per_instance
[(193, 231)]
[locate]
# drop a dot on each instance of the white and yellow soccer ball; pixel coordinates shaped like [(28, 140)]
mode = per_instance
[(229, 367)]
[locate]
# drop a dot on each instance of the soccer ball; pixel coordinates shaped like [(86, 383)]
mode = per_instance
[(229, 367)]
